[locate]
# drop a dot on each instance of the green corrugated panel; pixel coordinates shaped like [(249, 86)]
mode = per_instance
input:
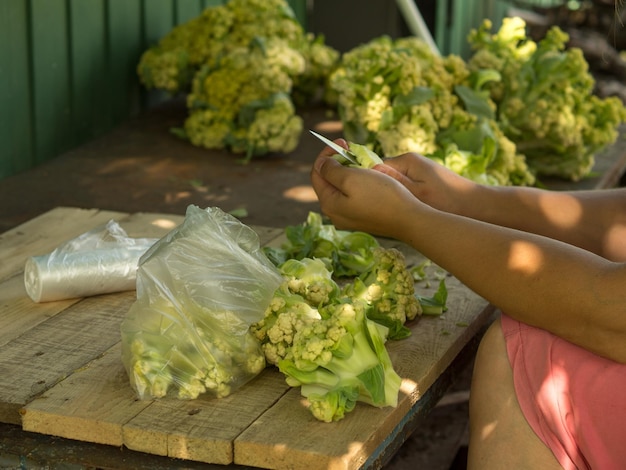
[(212, 3), (158, 18), (442, 22), (51, 78), (187, 9), (16, 136), (456, 18), (125, 45), (463, 17), (299, 8), (539, 3), (90, 92)]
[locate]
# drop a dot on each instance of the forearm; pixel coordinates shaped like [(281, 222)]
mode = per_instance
[(593, 220), (566, 290)]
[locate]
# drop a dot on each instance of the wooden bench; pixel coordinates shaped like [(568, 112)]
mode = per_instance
[(62, 374)]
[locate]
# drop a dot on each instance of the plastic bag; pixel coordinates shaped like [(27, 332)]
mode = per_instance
[(100, 261), (199, 289)]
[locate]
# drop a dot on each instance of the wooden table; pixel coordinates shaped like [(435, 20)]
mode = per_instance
[(61, 376)]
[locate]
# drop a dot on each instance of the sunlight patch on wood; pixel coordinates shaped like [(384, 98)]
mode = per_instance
[(303, 193)]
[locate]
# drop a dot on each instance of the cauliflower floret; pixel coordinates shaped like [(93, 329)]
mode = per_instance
[(388, 289)]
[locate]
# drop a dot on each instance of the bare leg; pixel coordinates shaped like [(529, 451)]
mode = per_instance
[(500, 437)]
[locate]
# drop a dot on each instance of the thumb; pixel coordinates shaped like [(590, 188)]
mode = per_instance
[(326, 168)]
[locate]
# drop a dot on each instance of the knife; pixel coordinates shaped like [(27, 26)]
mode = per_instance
[(337, 148)]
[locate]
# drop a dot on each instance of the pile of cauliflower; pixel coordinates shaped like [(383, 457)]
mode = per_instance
[(244, 67), (342, 297)]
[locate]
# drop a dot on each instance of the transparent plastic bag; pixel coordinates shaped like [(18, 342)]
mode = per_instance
[(199, 289)]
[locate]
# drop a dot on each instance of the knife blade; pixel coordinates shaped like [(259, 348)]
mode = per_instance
[(337, 148)]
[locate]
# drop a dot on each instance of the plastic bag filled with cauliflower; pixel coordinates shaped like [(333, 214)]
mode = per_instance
[(199, 289)]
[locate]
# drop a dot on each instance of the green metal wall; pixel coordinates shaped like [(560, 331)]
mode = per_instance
[(67, 69)]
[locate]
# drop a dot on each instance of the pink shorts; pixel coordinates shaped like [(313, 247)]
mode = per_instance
[(574, 400)]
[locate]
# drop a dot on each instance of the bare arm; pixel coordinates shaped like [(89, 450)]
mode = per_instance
[(545, 282), (593, 220)]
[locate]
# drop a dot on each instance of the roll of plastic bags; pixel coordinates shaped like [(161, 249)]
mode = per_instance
[(199, 289), (101, 261)]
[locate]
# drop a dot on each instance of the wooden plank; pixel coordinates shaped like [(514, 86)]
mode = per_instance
[(90, 405), (149, 224), (442, 26), (44, 233), (41, 357), (16, 131), (419, 360), (51, 78), (301, 441), (20, 313), (203, 429)]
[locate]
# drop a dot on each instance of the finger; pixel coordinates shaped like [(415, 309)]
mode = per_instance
[(398, 163), (389, 170)]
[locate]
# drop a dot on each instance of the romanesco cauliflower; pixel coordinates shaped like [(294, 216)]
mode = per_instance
[(388, 289), (545, 101), (241, 63), (311, 279), (341, 360), (396, 96)]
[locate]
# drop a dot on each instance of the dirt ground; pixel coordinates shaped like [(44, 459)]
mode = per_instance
[(142, 167)]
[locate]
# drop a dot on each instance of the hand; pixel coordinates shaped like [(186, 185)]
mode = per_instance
[(429, 181), (359, 199)]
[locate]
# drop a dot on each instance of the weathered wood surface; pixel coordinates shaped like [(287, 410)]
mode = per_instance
[(61, 373)]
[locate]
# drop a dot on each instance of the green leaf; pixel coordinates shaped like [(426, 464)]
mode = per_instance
[(436, 304), (259, 42), (402, 104), (418, 95), (373, 381), (484, 76), (240, 212), (388, 118), (179, 132), (469, 139), (474, 102)]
